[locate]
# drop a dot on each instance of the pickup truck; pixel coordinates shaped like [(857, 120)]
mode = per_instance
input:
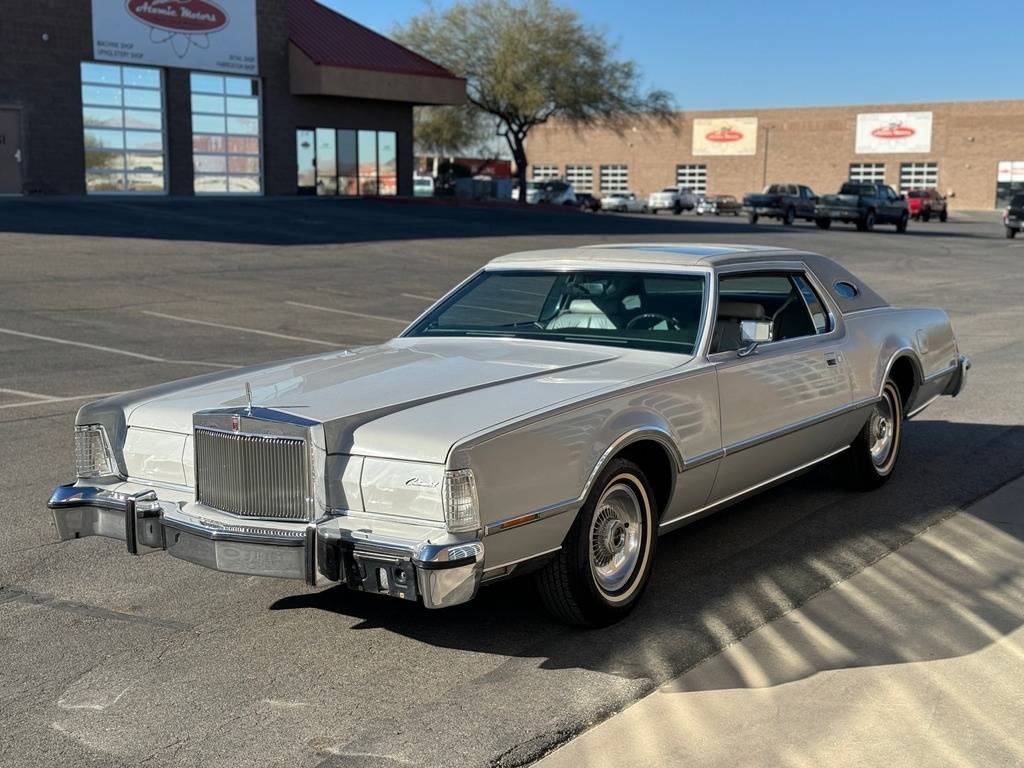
[(786, 202), (922, 204), (675, 199), (864, 204)]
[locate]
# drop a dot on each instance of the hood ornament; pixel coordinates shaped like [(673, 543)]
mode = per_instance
[(248, 395)]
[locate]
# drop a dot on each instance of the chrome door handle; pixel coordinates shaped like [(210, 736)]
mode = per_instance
[(17, 155)]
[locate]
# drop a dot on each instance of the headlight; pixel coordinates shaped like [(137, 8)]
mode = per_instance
[(93, 455), (459, 499)]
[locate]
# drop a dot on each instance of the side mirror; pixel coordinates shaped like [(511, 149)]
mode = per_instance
[(753, 333)]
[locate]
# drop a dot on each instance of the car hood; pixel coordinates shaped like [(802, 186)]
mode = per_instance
[(409, 398)]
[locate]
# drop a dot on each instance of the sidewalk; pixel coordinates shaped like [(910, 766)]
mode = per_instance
[(916, 661)]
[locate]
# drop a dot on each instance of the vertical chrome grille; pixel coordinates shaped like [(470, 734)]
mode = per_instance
[(252, 475)]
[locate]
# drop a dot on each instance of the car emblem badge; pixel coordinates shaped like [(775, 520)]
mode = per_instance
[(235, 422)]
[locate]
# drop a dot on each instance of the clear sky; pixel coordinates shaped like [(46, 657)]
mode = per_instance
[(725, 55)]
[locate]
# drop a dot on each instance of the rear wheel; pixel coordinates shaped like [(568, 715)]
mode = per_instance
[(926, 216), (823, 223), (872, 457), (1011, 233), (901, 225), (752, 218), (943, 214), (599, 574), (789, 216), (867, 222)]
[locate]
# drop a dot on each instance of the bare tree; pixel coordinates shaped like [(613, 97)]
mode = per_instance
[(531, 61)]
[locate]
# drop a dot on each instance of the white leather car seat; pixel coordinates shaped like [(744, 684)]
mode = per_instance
[(582, 313)]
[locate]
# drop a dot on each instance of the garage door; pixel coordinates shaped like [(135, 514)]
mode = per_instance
[(694, 177), (868, 172), (581, 177), (918, 176), (614, 178)]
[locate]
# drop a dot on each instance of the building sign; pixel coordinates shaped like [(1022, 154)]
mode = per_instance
[(725, 136), (215, 35), (894, 132), (1010, 170)]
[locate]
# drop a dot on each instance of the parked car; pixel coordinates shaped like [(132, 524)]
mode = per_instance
[(864, 204), (422, 186), (675, 199), (718, 204), (624, 202), (635, 390), (1013, 216), (556, 193), (533, 192), (923, 204), (587, 202), (785, 202)]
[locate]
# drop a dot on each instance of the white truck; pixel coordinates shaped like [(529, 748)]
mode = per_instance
[(675, 199)]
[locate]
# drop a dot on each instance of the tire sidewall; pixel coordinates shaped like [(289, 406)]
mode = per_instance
[(595, 600)]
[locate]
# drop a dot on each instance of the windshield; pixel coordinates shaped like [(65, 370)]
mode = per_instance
[(660, 312)]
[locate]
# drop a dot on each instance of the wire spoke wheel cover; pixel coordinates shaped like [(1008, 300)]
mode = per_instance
[(616, 535), (882, 430)]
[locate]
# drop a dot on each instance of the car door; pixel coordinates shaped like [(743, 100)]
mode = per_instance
[(776, 399), (806, 208), (893, 204)]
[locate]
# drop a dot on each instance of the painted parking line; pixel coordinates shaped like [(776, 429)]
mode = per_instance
[(241, 329), (47, 400), (111, 350), (362, 315), (418, 297), (25, 393)]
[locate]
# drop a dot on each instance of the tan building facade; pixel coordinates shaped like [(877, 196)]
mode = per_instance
[(972, 152)]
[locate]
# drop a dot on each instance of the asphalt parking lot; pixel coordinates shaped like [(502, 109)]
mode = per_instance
[(110, 660)]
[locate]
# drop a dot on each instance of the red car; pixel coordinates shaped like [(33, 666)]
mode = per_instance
[(925, 203)]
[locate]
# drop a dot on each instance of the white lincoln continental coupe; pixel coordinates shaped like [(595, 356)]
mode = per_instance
[(552, 415)]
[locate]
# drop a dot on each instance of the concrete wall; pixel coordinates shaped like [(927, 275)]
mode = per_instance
[(42, 79), (813, 146)]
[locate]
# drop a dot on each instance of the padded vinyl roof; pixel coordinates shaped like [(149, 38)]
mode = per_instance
[(333, 40)]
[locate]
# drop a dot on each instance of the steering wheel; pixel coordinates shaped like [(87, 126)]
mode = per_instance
[(671, 322)]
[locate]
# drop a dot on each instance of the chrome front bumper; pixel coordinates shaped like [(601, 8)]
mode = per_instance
[(329, 549)]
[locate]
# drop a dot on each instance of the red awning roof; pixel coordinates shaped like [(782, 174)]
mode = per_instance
[(330, 39)]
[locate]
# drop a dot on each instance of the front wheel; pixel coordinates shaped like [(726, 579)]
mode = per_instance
[(926, 216), (943, 215), (871, 458), (901, 225), (867, 223), (752, 218), (823, 223), (597, 577), (1010, 233)]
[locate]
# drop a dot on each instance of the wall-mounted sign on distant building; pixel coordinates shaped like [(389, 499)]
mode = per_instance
[(216, 35), (894, 132), (725, 136)]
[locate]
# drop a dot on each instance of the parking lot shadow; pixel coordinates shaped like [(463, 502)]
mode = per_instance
[(312, 221), (723, 577)]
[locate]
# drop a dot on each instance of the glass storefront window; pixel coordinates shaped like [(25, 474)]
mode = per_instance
[(387, 163), (326, 162), (367, 162), (123, 128), (226, 157), (346, 161)]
